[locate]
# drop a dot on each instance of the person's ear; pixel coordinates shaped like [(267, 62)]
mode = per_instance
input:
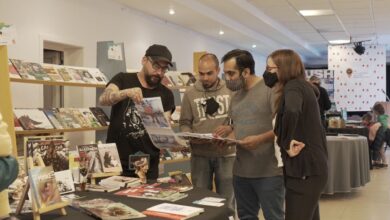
[(144, 60), (246, 72)]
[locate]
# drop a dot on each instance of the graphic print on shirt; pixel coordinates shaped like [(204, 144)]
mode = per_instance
[(223, 101), (132, 123)]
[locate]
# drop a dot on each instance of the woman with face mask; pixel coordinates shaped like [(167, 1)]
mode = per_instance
[(300, 134)]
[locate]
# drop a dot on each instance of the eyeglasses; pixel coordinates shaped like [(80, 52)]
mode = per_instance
[(157, 66), (269, 68)]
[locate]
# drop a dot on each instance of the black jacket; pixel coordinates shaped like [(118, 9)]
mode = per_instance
[(298, 119), (323, 101)]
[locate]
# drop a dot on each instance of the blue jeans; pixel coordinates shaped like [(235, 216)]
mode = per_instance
[(255, 193), (204, 168)]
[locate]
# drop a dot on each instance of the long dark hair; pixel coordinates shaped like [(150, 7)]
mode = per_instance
[(290, 67)]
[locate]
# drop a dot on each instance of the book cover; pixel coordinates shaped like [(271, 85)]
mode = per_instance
[(86, 76), (52, 72), (17, 125), (121, 181), (152, 113), (54, 153), (183, 210), (36, 70), (18, 64), (64, 181), (100, 115), (65, 117), (76, 75), (79, 118), (110, 158), (165, 215), (63, 71), (89, 156), (89, 117), (180, 182), (102, 188), (13, 73), (98, 75), (43, 185), (107, 209), (151, 191), (50, 114), (33, 119)]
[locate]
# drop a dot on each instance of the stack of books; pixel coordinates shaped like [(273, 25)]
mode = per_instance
[(173, 211), (153, 191)]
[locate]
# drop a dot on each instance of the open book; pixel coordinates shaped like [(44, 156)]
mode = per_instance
[(208, 136)]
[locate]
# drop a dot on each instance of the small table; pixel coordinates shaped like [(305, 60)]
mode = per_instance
[(348, 161)]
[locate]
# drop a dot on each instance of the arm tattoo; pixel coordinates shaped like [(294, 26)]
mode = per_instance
[(111, 97)]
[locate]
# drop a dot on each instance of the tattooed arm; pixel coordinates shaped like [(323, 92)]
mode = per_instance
[(113, 95)]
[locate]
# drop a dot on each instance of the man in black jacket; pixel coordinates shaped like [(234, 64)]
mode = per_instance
[(323, 99)]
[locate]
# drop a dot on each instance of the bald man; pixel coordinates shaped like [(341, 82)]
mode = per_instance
[(205, 110)]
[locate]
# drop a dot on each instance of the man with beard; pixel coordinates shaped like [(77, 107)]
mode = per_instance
[(323, 99), (205, 109), (126, 89), (257, 179)]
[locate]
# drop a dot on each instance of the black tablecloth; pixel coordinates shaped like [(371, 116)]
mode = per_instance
[(217, 213)]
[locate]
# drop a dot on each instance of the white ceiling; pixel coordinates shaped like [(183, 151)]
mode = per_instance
[(275, 24)]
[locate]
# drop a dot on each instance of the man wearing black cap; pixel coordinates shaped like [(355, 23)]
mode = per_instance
[(125, 89)]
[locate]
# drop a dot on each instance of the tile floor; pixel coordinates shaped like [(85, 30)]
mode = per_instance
[(371, 202)]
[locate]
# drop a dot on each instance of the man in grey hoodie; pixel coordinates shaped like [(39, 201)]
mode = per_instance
[(205, 110)]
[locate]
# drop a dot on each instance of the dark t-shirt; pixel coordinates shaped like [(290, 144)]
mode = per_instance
[(126, 128)]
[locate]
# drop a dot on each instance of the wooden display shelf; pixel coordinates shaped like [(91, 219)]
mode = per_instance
[(175, 160), (57, 83), (32, 132)]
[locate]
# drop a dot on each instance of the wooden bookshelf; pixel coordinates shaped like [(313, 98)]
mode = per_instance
[(175, 160), (43, 131), (57, 83)]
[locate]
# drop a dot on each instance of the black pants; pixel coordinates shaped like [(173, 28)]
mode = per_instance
[(302, 197)]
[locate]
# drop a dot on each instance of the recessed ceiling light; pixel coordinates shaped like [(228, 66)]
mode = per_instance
[(254, 46), (221, 32), (171, 11), (339, 41), (316, 12)]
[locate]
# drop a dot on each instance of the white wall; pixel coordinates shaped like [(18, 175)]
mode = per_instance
[(84, 22)]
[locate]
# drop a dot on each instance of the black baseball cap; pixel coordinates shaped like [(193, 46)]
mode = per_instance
[(159, 52)]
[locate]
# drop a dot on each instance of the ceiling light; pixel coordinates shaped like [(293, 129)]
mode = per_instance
[(339, 41), (171, 11), (221, 32), (316, 12), (254, 46)]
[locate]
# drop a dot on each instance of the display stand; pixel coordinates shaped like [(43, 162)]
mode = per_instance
[(37, 211)]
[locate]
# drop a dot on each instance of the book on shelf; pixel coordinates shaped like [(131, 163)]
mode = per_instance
[(86, 76), (33, 119), (121, 181), (176, 209), (54, 153), (65, 181), (51, 115), (17, 125), (100, 78), (65, 116), (76, 75), (64, 72), (106, 209), (13, 73), (23, 72), (102, 188), (37, 71), (79, 118), (109, 157), (52, 72), (44, 187), (89, 157), (100, 115), (90, 117)]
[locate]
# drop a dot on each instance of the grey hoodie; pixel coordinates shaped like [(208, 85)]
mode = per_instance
[(194, 119)]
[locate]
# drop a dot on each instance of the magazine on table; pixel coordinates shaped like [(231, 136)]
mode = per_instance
[(106, 209), (153, 191), (175, 209)]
